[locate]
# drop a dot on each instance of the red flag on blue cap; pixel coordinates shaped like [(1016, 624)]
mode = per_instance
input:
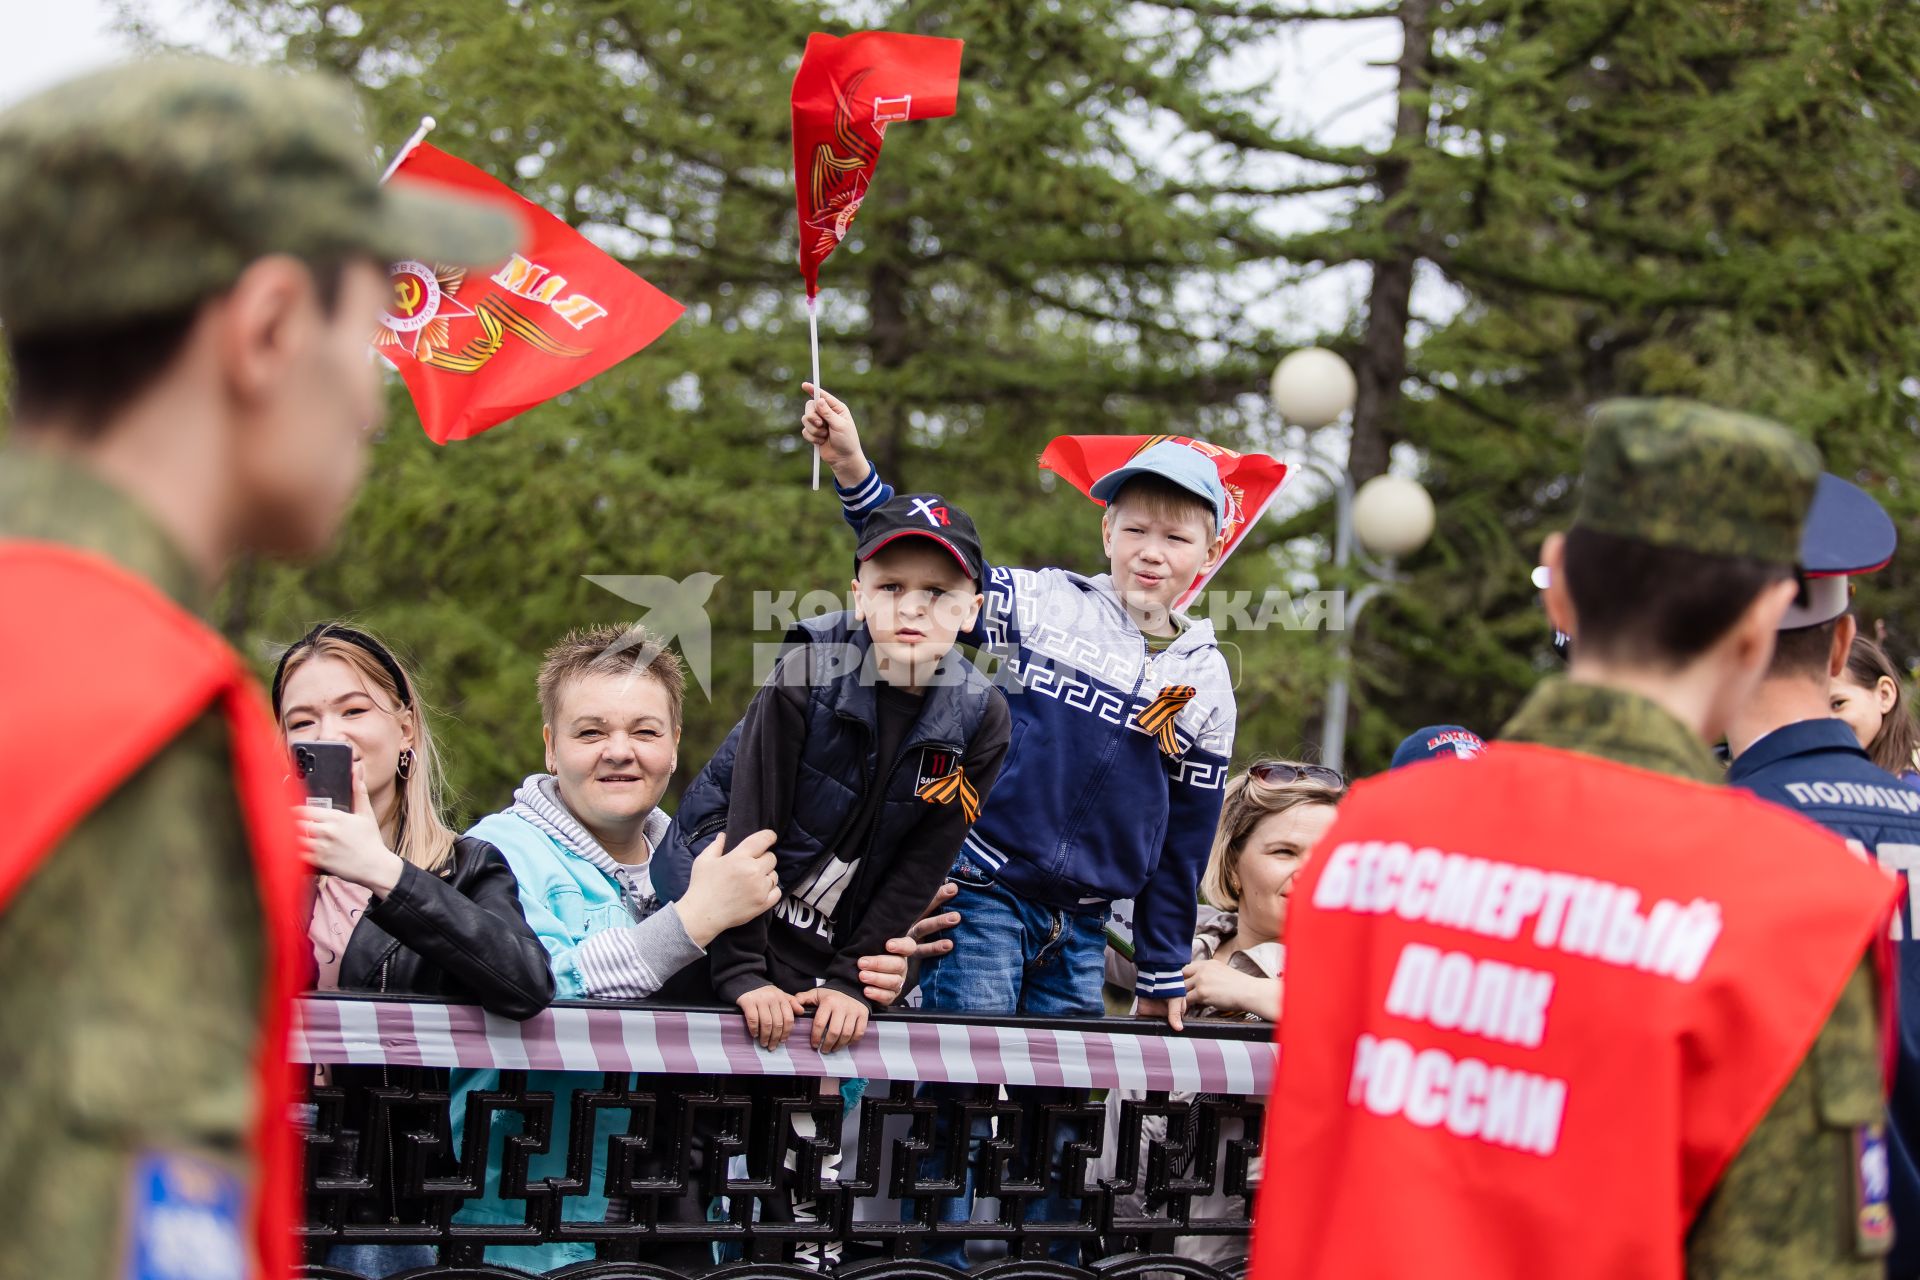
[(1251, 480)]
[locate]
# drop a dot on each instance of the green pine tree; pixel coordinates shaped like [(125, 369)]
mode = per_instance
[(1666, 196), (1713, 200), (1019, 272)]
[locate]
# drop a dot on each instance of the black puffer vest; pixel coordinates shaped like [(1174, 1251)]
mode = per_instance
[(838, 765)]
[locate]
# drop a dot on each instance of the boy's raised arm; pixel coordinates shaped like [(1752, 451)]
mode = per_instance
[(828, 425)]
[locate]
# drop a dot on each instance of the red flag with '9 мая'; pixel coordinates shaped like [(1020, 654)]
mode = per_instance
[(846, 93), (477, 347)]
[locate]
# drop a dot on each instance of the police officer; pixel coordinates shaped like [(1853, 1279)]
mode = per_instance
[(192, 258), (1489, 1089), (1788, 748)]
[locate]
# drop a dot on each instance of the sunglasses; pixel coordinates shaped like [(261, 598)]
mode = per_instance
[(1270, 774)]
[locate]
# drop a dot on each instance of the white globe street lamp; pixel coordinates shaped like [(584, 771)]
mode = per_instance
[(1389, 515), (1392, 516), (1313, 387)]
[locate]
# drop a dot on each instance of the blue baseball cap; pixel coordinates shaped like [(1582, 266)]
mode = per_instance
[(1437, 742), (1171, 460)]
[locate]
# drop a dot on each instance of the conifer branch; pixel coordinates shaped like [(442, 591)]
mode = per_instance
[(1224, 9), (1288, 191)]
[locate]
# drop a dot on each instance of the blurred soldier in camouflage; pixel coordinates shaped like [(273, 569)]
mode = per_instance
[(1682, 505), (1725, 1118), (192, 256)]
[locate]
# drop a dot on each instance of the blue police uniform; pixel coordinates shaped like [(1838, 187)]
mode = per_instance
[(1817, 768)]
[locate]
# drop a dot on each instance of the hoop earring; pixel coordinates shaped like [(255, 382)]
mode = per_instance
[(404, 766)]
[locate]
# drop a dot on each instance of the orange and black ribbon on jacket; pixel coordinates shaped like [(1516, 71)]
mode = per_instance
[(954, 786), (1159, 715)]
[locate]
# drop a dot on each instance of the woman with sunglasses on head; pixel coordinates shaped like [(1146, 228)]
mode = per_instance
[(1271, 818), (403, 905)]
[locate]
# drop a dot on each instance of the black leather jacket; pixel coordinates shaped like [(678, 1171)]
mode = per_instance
[(460, 937)]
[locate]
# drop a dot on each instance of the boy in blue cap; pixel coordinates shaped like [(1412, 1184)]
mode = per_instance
[(1123, 720)]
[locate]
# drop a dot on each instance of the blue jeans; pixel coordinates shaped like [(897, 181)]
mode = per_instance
[(380, 1260), (1010, 955)]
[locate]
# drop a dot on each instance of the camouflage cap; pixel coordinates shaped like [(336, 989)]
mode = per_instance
[(146, 187), (1676, 473)]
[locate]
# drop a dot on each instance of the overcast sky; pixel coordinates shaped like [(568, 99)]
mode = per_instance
[(44, 41), (1327, 79)]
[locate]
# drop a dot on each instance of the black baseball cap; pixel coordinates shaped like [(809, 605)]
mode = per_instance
[(923, 515)]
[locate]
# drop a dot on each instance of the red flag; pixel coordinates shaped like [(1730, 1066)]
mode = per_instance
[(846, 93), (475, 348), (1252, 480)]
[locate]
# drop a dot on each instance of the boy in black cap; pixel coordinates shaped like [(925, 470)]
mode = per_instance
[(869, 751)]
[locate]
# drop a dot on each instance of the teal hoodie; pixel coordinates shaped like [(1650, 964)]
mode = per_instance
[(567, 899)]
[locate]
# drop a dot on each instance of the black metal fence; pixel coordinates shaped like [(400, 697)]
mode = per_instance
[(765, 1175)]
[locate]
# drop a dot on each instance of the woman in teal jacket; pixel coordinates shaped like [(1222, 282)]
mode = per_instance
[(580, 839)]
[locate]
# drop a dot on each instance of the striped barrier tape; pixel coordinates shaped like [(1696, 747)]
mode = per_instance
[(580, 1037)]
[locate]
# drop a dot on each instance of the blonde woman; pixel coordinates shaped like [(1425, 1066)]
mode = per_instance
[(403, 905), (1271, 818)]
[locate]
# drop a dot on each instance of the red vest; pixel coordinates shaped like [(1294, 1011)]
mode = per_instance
[(1535, 1003), (98, 672)]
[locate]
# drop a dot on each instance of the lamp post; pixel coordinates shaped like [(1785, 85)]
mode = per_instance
[(1389, 515)]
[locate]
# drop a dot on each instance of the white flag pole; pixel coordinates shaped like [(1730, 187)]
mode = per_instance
[(813, 340), (419, 136)]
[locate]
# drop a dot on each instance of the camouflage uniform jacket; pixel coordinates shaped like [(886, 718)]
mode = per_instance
[(132, 957), (1785, 1205)]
